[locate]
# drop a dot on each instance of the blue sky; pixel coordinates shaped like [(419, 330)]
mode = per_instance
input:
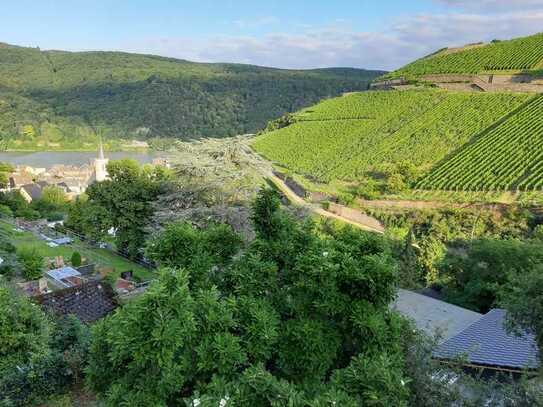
[(295, 34)]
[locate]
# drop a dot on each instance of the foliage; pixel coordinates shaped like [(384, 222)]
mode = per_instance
[(76, 259), (474, 275), (517, 54), (284, 121), (424, 237), (179, 244), (39, 357), (53, 98), (503, 158), (32, 262), (297, 318), (52, 204), (522, 296), (359, 135), (123, 203), (24, 330)]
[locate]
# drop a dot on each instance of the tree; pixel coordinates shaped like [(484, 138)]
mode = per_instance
[(297, 315), (25, 332), (522, 296), (124, 203), (52, 204), (265, 216), (54, 196), (31, 261), (180, 244), (76, 259), (39, 356), (475, 277)]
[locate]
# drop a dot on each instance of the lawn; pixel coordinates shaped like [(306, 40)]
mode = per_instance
[(101, 257)]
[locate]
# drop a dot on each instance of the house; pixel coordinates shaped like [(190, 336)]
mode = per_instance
[(487, 344), (88, 302), (470, 338), (31, 192), (65, 277), (432, 316)]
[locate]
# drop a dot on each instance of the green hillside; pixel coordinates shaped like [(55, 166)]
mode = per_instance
[(60, 98), (509, 156), (357, 136), (520, 54)]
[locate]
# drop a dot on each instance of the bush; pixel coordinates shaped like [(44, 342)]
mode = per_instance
[(76, 259), (32, 262), (5, 211), (28, 214)]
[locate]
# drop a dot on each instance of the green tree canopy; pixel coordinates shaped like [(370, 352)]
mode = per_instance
[(24, 330), (124, 203), (297, 319), (475, 274)]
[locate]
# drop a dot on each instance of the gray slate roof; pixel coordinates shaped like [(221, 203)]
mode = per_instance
[(433, 316), (487, 343), (33, 190), (88, 302)]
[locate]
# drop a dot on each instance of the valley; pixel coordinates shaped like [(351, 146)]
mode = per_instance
[(243, 236)]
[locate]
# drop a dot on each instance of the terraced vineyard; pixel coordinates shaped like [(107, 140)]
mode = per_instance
[(507, 157), (517, 54), (345, 138)]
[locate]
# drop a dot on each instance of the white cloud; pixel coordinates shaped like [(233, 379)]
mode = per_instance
[(402, 41), (489, 5)]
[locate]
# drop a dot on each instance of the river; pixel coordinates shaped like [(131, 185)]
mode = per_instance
[(47, 159)]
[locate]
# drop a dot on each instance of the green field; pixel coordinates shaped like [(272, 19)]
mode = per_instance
[(100, 257), (349, 137), (520, 54), (507, 157)]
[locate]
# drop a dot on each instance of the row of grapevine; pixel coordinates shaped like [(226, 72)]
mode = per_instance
[(507, 157), (518, 54), (345, 138)]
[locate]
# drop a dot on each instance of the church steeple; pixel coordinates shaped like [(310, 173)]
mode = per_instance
[(100, 164)]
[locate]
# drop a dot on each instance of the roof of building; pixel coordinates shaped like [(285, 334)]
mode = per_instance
[(33, 190), (19, 179), (63, 272), (88, 302), (62, 240), (487, 342), (435, 317)]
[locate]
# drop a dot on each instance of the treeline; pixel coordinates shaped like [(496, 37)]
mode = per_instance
[(56, 97)]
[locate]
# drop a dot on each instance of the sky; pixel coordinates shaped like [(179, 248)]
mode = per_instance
[(384, 34)]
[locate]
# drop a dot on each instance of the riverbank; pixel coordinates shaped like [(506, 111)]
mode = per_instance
[(47, 159)]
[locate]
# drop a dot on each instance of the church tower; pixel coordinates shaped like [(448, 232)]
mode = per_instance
[(100, 165)]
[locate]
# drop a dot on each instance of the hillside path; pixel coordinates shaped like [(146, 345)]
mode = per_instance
[(292, 197)]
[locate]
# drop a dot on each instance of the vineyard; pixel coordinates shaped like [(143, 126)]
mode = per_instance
[(508, 156), (345, 138), (517, 54)]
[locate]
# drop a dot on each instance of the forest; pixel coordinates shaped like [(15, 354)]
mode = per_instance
[(51, 99)]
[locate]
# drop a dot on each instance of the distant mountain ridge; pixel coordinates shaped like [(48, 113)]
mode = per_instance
[(50, 98)]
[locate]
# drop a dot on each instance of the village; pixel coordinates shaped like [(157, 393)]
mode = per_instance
[(71, 179), (76, 275)]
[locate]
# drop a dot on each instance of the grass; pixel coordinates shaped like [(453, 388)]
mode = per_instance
[(103, 258)]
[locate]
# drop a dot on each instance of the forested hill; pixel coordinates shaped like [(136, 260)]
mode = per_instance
[(57, 96)]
